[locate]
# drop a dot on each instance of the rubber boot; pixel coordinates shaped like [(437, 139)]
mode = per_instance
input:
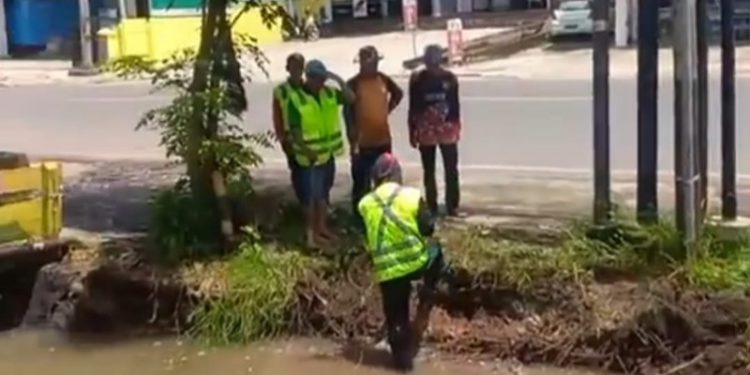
[(421, 319), (403, 363)]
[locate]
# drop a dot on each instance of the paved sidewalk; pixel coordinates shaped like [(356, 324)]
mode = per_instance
[(113, 196), (565, 62), (35, 72), (338, 53)]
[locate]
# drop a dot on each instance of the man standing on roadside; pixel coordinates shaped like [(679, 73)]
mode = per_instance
[(295, 66), (435, 121), (314, 117), (367, 124)]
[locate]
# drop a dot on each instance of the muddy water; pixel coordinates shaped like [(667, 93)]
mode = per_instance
[(36, 353)]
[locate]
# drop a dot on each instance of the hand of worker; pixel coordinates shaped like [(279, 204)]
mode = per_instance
[(286, 146), (413, 141), (354, 150), (313, 156), (334, 77)]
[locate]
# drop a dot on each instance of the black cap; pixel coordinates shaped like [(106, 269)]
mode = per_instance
[(295, 57), (367, 53)]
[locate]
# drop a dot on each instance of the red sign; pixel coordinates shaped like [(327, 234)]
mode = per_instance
[(455, 41), (409, 11)]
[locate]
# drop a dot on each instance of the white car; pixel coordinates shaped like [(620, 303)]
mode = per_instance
[(572, 18)]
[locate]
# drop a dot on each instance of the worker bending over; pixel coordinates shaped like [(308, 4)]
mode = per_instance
[(398, 226)]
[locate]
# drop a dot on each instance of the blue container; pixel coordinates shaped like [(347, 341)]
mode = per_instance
[(28, 24), (32, 23)]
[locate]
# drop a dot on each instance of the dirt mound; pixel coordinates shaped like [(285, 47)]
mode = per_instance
[(109, 289), (619, 326)]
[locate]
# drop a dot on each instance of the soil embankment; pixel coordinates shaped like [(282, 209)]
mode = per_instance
[(617, 325), (518, 298)]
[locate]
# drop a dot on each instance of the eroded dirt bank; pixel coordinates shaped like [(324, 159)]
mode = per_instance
[(620, 326), (613, 323)]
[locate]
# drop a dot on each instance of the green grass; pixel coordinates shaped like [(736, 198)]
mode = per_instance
[(259, 298), (258, 295), (637, 252)]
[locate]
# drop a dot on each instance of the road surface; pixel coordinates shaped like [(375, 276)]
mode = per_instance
[(512, 123), (526, 147)]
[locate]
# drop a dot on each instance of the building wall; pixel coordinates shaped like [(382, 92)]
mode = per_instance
[(160, 36)]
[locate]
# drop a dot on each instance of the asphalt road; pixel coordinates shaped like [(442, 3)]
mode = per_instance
[(509, 123)]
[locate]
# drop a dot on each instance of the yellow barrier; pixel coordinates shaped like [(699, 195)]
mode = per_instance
[(160, 36), (31, 203)]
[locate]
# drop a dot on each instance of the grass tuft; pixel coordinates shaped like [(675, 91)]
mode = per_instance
[(260, 296)]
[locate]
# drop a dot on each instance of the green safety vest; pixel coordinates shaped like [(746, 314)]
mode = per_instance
[(283, 93), (321, 125), (393, 239)]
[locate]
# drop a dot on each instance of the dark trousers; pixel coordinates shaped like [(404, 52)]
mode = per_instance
[(296, 177), (361, 178), (396, 295), (450, 165)]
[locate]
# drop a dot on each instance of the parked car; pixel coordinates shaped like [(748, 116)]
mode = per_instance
[(572, 18)]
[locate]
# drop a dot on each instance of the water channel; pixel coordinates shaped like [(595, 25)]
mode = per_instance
[(43, 353)]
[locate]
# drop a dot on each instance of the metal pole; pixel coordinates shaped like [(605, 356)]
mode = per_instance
[(122, 9), (602, 204), (414, 42), (728, 114), (87, 61), (687, 176), (648, 86), (702, 136)]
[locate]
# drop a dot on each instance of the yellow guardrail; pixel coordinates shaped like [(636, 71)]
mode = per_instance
[(31, 203)]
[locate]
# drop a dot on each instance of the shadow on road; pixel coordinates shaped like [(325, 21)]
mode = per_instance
[(114, 197), (568, 43)]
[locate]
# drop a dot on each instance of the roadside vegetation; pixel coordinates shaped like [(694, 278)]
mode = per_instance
[(628, 298)]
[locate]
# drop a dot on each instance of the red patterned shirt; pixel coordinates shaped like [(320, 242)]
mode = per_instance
[(434, 108)]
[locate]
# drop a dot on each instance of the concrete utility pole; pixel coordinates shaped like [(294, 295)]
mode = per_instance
[(687, 174), (731, 226), (602, 203), (702, 50), (621, 23), (86, 66), (3, 33), (728, 115), (648, 114)]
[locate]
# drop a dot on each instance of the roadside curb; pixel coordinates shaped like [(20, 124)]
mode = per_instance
[(457, 73)]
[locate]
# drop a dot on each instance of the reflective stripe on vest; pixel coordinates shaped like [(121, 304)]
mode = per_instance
[(396, 246), (282, 93), (321, 125)]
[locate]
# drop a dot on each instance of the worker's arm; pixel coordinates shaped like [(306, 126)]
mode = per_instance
[(425, 220), (394, 92), (414, 109), (278, 121), (352, 132), (348, 95), (454, 102)]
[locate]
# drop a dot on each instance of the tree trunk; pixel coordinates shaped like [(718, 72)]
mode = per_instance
[(216, 63), (198, 172)]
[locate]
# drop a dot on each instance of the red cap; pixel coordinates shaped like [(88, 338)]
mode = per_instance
[(386, 165)]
